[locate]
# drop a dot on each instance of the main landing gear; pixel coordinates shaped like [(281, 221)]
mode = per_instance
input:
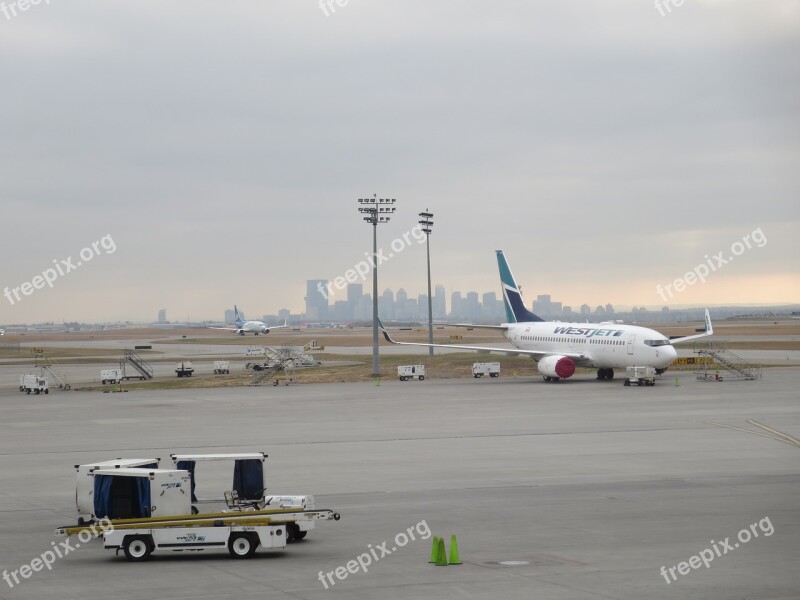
[(605, 374)]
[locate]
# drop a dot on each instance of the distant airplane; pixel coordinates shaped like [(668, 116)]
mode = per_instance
[(243, 327), (2, 331), (559, 348)]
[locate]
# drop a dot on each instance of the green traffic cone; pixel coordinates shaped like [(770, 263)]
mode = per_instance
[(441, 556), (454, 559), (434, 548)]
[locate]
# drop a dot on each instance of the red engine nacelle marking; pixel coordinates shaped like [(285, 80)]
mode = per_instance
[(565, 368), (557, 366)]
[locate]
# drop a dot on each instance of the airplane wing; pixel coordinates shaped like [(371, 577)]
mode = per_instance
[(271, 327), (709, 331), (471, 326), (223, 328), (535, 354)]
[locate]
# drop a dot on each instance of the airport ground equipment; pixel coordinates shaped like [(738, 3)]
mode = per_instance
[(140, 365), (248, 488), (48, 365), (222, 367), (85, 481), (492, 369), (33, 383), (184, 369), (111, 375), (736, 368), (640, 376), (406, 372), (240, 532)]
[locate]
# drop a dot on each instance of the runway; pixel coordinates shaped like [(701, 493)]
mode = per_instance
[(587, 488)]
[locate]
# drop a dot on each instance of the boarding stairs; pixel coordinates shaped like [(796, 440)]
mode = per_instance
[(129, 357), (49, 365), (737, 368)]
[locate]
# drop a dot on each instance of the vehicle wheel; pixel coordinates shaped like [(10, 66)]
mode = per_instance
[(494, 374), (640, 383), (27, 391), (242, 545), (627, 383), (47, 391), (422, 377), (195, 510), (609, 374), (104, 381), (300, 535), (37, 392), (138, 548), (546, 378), (476, 375)]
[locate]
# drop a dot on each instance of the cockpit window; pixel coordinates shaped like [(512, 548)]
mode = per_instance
[(657, 342)]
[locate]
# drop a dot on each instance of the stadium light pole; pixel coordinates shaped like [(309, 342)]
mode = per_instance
[(375, 210), (427, 227)]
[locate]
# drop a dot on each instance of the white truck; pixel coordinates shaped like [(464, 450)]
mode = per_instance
[(479, 369), (406, 372), (33, 383), (222, 367), (640, 376), (140, 509), (184, 369), (111, 375)]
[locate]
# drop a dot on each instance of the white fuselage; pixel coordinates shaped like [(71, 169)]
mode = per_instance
[(605, 345), (253, 327)]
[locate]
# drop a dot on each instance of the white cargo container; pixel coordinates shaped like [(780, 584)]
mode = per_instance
[(222, 367), (33, 383), (136, 493), (406, 372), (492, 369), (111, 376), (184, 369), (640, 376), (84, 481)]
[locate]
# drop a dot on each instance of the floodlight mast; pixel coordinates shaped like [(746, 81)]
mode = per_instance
[(375, 210), (427, 226)]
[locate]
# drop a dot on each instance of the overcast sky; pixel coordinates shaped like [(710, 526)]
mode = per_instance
[(223, 146)]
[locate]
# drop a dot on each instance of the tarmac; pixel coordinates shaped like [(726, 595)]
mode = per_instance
[(577, 490)]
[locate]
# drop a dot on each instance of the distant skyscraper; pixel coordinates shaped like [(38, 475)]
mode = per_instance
[(162, 315), (317, 299), (455, 305), (439, 302), (354, 292)]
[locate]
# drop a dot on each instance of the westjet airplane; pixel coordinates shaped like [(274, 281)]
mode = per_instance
[(559, 348), (243, 327)]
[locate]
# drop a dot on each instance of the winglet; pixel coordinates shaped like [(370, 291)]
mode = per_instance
[(709, 330)]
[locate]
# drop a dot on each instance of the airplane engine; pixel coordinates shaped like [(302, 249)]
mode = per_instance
[(265, 331), (557, 366)]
